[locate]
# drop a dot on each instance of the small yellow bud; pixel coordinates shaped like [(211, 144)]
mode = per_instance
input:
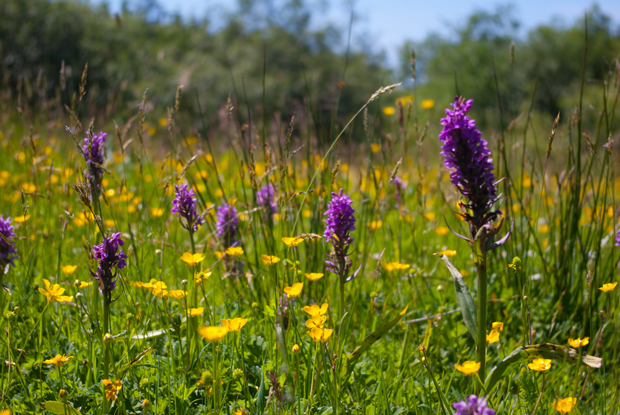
[(295, 349)]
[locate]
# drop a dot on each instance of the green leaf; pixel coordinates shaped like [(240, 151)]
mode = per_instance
[(466, 302), (542, 351), (260, 396), (60, 408), (367, 342)]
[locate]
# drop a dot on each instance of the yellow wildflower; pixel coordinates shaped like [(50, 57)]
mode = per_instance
[(199, 277), (498, 326), (21, 218), (54, 292), (428, 104), (295, 349), (194, 312), (213, 333), (292, 241), (84, 284), (540, 365), (492, 337), (68, 269), (192, 259), (178, 294), (447, 252), (234, 251), (319, 335), (468, 367), (608, 287), (389, 110), (578, 342), (294, 290), (111, 388), (316, 321), (314, 276), (58, 360), (269, 259), (314, 309), (234, 324), (375, 147), (564, 406)]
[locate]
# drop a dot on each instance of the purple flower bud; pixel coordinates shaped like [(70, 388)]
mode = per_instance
[(340, 220), (94, 153), (469, 160), (618, 238), (111, 259), (473, 406), (185, 207), (226, 224), (7, 248), (266, 199)]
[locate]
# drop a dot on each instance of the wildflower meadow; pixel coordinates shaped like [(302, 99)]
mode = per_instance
[(405, 260)]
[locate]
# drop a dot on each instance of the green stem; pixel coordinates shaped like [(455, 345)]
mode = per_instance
[(481, 265), (106, 352)]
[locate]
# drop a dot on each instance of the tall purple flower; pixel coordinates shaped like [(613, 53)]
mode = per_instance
[(185, 207), (94, 152), (226, 224), (469, 160), (618, 237), (266, 199), (7, 248), (111, 259), (473, 406), (339, 223)]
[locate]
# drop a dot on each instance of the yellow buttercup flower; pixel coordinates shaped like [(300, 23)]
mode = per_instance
[(234, 251), (540, 365), (428, 104), (565, 405), (213, 333), (21, 218), (389, 110), (295, 349), (157, 212), (194, 312), (314, 309), (192, 259), (58, 360), (314, 276), (498, 326), (319, 335), (578, 342), (178, 294), (442, 230), (54, 292), (241, 411), (608, 287), (294, 241), (492, 337), (375, 224), (5, 412), (84, 284), (234, 324), (316, 321), (68, 269), (294, 290), (447, 252), (468, 367), (269, 259), (111, 388), (375, 147), (404, 100), (391, 266)]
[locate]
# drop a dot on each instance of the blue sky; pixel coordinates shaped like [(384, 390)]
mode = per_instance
[(390, 22)]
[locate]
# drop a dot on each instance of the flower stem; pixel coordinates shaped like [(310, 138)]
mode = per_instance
[(106, 351), (481, 265)]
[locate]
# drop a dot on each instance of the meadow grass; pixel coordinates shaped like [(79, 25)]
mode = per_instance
[(398, 326)]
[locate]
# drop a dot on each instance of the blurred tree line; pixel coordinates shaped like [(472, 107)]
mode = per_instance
[(303, 66), (548, 59), (142, 47)]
